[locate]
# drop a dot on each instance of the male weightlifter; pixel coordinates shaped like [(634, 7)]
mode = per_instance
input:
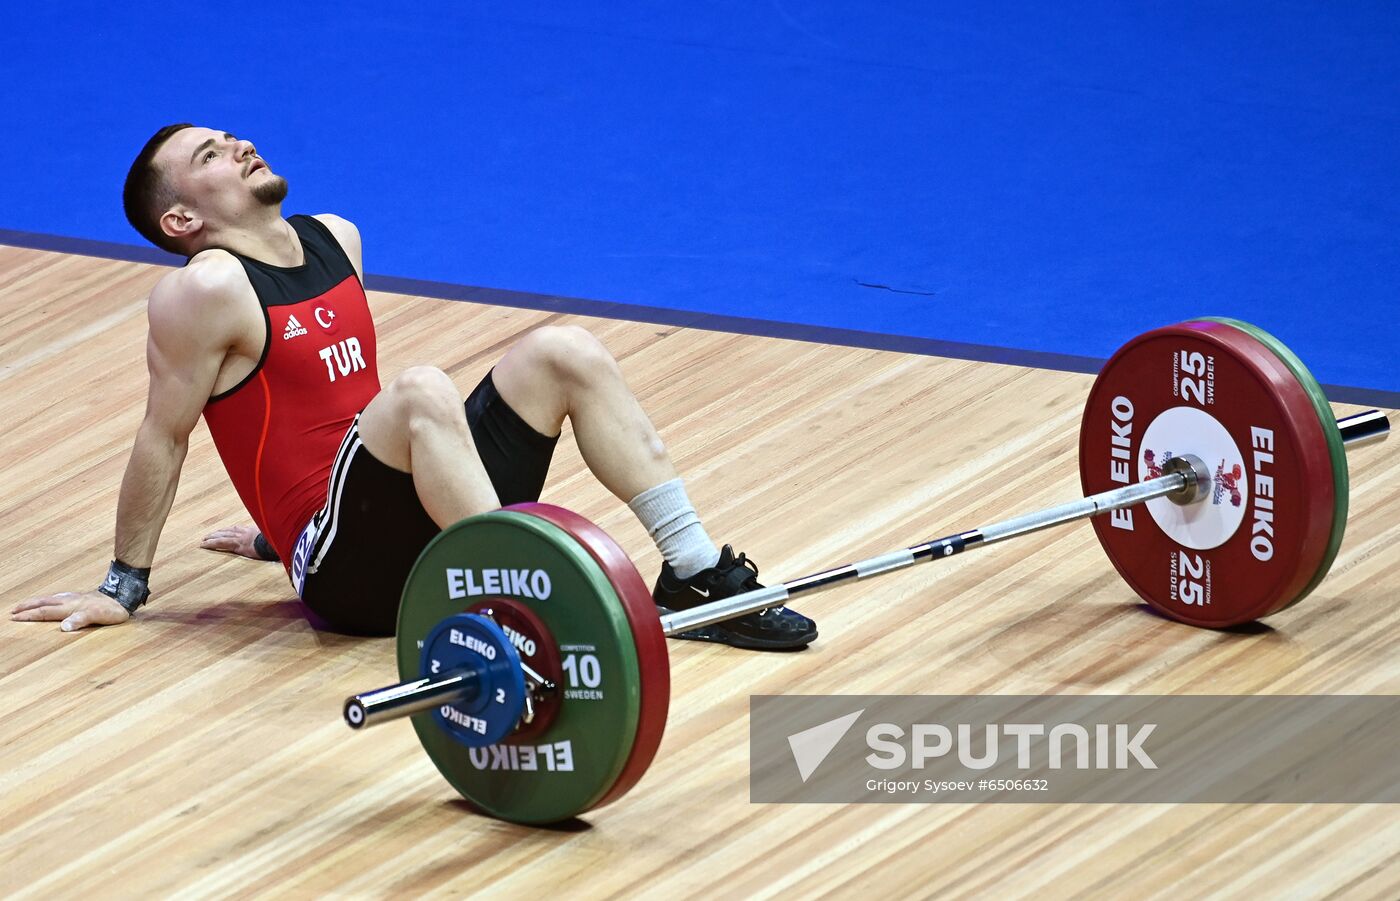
[(267, 332)]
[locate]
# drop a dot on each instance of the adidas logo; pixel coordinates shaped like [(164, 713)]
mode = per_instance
[(294, 329)]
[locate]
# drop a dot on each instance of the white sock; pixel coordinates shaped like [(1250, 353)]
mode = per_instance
[(667, 515)]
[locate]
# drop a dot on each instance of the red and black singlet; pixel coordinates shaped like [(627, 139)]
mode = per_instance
[(278, 429)]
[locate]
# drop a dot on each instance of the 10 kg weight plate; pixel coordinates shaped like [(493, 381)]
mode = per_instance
[(653, 662), (571, 765)]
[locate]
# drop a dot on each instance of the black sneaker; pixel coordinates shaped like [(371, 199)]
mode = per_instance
[(771, 629)]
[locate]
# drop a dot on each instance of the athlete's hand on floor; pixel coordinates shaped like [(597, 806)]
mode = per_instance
[(75, 609), (233, 540)]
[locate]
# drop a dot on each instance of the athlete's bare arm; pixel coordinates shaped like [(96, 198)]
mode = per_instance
[(203, 338), (239, 539), (349, 237)]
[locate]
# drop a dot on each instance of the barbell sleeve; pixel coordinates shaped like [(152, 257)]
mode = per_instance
[(405, 699), (1186, 484), (1367, 427), (394, 702)]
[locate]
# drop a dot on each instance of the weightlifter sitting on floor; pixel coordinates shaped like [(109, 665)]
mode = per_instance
[(267, 332)]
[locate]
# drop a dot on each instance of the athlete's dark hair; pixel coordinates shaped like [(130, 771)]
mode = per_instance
[(147, 193)]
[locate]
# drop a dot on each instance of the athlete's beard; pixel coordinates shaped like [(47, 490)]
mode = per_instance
[(270, 191)]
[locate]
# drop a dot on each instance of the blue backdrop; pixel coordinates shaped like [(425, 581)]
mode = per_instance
[(1044, 177)]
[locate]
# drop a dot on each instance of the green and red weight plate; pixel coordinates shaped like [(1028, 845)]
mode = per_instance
[(653, 659), (1267, 531), (1337, 450), (574, 606)]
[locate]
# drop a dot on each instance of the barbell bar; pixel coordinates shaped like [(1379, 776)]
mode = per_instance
[(1186, 484)]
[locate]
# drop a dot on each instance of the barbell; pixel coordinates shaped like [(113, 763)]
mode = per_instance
[(535, 663)]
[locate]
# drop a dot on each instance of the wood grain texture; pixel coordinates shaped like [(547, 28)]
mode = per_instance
[(199, 751)]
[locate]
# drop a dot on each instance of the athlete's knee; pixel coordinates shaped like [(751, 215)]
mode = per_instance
[(426, 393), (571, 353)]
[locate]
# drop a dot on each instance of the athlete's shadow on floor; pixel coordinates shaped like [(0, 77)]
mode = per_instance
[(265, 617)]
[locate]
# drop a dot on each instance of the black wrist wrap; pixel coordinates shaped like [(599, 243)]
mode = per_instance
[(264, 550), (127, 585)]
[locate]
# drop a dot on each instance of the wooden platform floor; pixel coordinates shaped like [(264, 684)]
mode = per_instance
[(199, 751)]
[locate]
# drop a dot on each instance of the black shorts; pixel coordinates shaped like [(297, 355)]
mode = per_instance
[(353, 558)]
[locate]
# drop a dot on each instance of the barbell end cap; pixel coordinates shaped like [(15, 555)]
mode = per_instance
[(354, 713), (1198, 479)]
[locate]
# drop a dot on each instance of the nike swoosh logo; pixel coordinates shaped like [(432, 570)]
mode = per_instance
[(703, 594)]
